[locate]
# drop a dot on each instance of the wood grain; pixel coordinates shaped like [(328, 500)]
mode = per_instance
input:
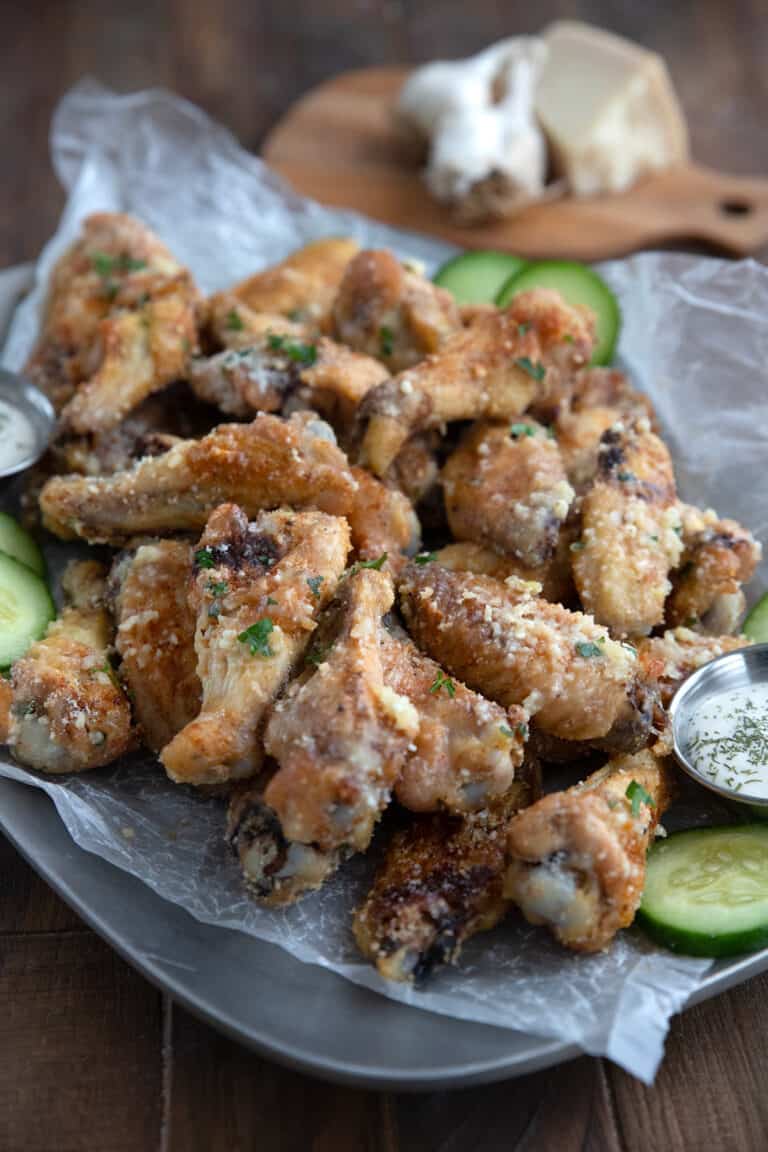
[(90, 1060)]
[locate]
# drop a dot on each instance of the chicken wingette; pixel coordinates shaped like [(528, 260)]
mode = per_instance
[(718, 557)]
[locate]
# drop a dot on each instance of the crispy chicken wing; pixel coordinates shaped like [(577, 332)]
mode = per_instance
[(440, 883), (256, 591), (120, 323), (389, 311), (492, 370), (232, 325), (265, 464), (303, 286), (156, 637), (718, 557), (630, 532), (506, 488), (576, 859), (554, 576), (669, 659), (69, 712), (466, 750), (518, 649)]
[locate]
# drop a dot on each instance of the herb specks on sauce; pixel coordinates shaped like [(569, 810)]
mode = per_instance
[(727, 740)]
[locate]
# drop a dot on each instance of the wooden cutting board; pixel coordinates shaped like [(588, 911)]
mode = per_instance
[(339, 144)]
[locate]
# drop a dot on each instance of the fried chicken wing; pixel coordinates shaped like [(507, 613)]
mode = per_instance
[(256, 590), (576, 859), (554, 576), (669, 659), (506, 488), (265, 464), (492, 370), (440, 883), (630, 532), (69, 712), (303, 286), (156, 637), (385, 309), (718, 557), (120, 323), (467, 749), (518, 649), (232, 325)]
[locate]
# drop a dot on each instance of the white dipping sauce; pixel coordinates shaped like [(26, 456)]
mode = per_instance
[(727, 740), (17, 436)]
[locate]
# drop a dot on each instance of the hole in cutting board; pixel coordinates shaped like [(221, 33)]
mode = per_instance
[(735, 207)]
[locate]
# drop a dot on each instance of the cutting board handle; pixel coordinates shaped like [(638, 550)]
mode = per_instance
[(730, 211)]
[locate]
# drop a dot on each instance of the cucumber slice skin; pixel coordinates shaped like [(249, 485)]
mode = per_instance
[(756, 623), (19, 545), (25, 599), (657, 913), (578, 284), (477, 277)]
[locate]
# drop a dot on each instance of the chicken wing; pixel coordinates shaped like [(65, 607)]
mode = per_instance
[(506, 488), (440, 883), (554, 576), (386, 310), (69, 712), (156, 637), (576, 859), (120, 323), (518, 649), (303, 286), (467, 749), (630, 532), (492, 370), (718, 557), (256, 591), (669, 659), (265, 464)]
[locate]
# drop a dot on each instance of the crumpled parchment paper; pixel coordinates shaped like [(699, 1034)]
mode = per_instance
[(695, 337)]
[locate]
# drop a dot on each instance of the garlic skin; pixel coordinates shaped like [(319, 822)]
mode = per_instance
[(486, 148)]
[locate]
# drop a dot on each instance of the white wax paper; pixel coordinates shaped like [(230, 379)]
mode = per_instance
[(695, 337)]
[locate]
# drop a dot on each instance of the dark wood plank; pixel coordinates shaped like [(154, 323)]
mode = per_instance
[(27, 904)]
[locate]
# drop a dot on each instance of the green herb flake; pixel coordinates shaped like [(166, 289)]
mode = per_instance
[(537, 371), (376, 564), (386, 340), (257, 637), (577, 546), (625, 477), (523, 328), (690, 622), (587, 649), (105, 265), (506, 730), (233, 321), (442, 681), (425, 558), (314, 583), (204, 558), (637, 795), (519, 430), (110, 671), (318, 654), (271, 600), (520, 730), (218, 587), (305, 354)]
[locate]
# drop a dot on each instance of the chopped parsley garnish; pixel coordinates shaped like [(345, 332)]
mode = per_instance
[(105, 265), (318, 654), (271, 600), (523, 328), (587, 649), (218, 587), (637, 795), (655, 539), (578, 546), (518, 430), (690, 622), (314, 584), (442, 681), (300, 353), (233, 321), (257, 637), (386, 340), (567, 339), (377, 564), (204, 558), (678, 529), (518, 730), (629, 647), (107, 667), (425, 558), (538, 371), (625, 477)]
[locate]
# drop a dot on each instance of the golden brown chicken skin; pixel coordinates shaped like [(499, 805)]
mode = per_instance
[(69, 712), (385, 309), (265, 464), (492, 370), (630, 538), (255, 612), (554, 576), (718, 557), (505, 487), (156, 637), (576, 859), (440, 883), (120, 323), (6, 700), (516, 648), (669, 659)]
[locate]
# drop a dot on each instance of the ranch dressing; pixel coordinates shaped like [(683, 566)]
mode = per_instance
[(17, 436), (727, 740)]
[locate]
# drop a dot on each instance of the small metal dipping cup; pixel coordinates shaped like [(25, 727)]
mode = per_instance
[(738, 669), (20, 394)]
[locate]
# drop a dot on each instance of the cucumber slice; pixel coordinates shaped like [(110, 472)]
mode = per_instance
[(578, 284), (477, 277), (706, 890), (756, 623), (26, 609), (19, 545)]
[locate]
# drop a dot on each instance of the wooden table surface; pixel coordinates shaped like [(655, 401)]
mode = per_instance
[(92, 1057)]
